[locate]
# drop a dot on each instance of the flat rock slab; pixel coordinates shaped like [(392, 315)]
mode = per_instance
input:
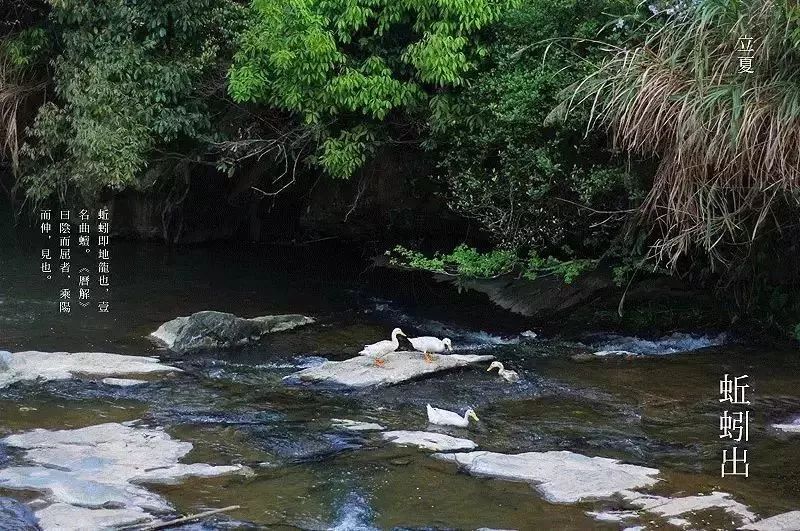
[(65, 517), (398, 367), (560, 476), (783, 522), (672, 507), (436, 442), (91, 478), (210, 330), (33, 365)]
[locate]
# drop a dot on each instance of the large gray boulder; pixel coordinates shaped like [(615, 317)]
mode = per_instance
[(218, 330), (400, 366)]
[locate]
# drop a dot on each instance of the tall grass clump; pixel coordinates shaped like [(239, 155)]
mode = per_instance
[(20, 80), (726, 143)]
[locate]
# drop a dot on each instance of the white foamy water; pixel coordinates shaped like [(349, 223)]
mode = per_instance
[(354, 515), (792, 426), (671, 344), (298, 362), (463, 339)]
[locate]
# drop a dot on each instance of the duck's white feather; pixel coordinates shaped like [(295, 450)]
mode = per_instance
[(428, 344), (381, 348), (446, 418), (509, 375)]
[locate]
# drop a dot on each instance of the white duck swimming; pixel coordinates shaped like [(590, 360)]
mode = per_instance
[(430, 344), (448, 418), (508, 375), (382, 348)]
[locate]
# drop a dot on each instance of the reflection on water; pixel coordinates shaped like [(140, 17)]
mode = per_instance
[(311, 474)]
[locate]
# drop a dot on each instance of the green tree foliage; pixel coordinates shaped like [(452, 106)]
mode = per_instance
[(534, 182), (26, 48), (130, 80), (345, 67)]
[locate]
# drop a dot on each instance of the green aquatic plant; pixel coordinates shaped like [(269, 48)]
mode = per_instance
[(567, 270), (463, 261), (467, 263)]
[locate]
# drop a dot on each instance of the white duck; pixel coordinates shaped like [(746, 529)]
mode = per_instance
[(382, 348), (508, 375), (448, 418), (430, 344)]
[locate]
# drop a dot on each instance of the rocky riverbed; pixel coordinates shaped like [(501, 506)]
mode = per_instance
[(224, 423), (101, 428)]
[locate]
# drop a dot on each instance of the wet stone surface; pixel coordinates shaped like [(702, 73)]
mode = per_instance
[(212, 330), (397, 367), (98, 468)]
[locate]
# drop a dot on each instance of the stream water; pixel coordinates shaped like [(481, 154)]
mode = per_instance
[(660, 411)]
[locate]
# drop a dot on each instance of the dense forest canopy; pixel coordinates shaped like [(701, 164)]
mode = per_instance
[(573, 132)]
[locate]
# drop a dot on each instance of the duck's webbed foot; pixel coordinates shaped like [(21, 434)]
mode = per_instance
[(379, 362), (428, 358)]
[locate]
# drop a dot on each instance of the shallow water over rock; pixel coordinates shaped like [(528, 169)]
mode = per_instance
[(101, 467)]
